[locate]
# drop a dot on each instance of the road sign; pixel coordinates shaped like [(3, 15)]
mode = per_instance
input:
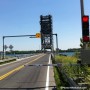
[(5, 47), (38, 35)]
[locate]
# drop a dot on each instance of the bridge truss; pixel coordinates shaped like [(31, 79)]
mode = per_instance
[(46, 32)]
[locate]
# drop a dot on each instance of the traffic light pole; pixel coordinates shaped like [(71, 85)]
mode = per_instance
[(85, 45), (82, 13), (82, 8)]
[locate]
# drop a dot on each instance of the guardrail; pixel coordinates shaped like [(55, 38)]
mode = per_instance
[(69, 80), (73, 85)]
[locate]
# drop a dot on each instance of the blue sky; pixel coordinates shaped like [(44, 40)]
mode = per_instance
[(21, 17)]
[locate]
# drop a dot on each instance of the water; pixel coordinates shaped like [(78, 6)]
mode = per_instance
[(68, 53), (19, 55)]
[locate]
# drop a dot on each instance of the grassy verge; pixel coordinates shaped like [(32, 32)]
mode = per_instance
[(57, 79), (73, 71), (65, 59), (7, 61)]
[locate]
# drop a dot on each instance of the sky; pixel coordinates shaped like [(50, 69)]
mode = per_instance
[(22, 17)]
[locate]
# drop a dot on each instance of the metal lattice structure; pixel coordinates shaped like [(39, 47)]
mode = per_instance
[(46, 32)]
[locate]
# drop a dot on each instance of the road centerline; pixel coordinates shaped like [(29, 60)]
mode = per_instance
[(18, 68)]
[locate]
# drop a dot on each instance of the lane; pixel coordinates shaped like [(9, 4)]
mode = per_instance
[(8, 67), (28, 77)]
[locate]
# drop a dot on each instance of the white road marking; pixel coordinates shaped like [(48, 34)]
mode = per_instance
[(47, 78)]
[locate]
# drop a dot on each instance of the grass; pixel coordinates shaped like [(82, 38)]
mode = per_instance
[(7, 61), (65, 59), (73, 71), (57, 79)]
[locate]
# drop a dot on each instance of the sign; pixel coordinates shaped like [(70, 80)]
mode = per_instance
[(38, 35)]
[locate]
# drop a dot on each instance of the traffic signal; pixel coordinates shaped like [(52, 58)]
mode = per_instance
[(85, 28)]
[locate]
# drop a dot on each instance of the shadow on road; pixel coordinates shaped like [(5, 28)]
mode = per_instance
[(35, 88)]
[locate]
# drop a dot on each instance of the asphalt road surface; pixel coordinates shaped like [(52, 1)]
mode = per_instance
[(20, 76)]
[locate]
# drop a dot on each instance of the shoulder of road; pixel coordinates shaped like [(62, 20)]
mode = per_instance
[(15, 59)]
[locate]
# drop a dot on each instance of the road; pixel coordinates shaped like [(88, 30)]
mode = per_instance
[(20, 76)]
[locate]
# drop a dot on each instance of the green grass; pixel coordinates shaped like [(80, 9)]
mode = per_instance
[(57, 79), (65, 59), (72, 70), (7, 61)]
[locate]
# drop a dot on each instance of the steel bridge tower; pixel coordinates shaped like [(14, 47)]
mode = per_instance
[(46, 32)]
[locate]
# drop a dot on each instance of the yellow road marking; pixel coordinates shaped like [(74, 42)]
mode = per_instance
[(18, 68), (35, 59)]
